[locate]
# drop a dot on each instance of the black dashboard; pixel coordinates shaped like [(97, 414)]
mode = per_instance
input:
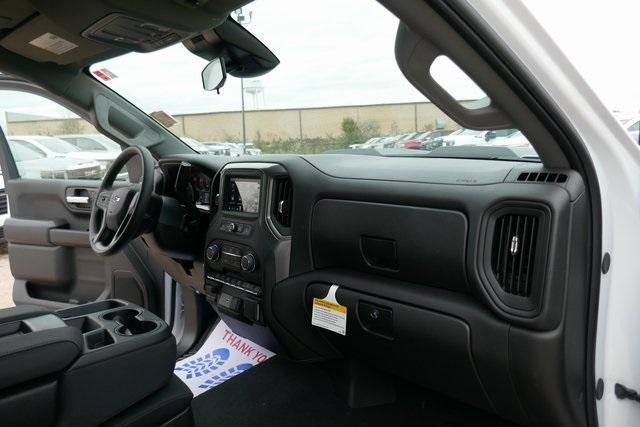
[(458, 265)]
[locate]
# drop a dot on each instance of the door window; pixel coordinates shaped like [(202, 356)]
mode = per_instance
[(48, 141)]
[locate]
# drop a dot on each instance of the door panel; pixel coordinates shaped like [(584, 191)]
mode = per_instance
[(50, 256)]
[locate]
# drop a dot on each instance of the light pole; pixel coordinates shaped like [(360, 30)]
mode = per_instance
[(243, 20)]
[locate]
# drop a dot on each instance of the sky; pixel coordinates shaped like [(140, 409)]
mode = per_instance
[(331, 58)]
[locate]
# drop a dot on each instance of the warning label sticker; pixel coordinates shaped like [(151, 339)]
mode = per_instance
[(52, 43), (327, 313)]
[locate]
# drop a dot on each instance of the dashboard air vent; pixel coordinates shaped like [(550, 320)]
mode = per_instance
[(513, 250), (282, 201), (542, 177)]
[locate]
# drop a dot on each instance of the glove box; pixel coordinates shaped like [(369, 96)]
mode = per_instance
[(423, 346)]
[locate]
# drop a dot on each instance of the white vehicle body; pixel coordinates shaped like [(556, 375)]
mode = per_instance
[(250, 149), (95, 143), (464, 137), (234, 149), (368, 143), (195, 144), (632, 126), (53, 147), (616, 160), (515, 140)]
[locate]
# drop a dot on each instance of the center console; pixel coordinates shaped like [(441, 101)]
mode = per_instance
[(83, 365), (246, 249)]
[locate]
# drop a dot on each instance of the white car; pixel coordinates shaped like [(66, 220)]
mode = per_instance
[(632, 126), (52, 147), (464, 137), (33, 163), (202, 148), (92, 142), (250, 149), (367, 144), (476, 137), (234, 149)]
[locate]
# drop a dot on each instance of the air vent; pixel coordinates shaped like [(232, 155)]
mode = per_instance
[(513, 250), (282, 201), (4, 205), (542, 177)]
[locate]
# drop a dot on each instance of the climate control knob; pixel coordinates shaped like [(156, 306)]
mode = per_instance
[(248, 263), (213, 252)]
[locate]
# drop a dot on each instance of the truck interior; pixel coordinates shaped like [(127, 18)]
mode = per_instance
[(468, 282)]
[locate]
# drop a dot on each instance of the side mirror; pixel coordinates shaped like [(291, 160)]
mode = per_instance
[(214, 75)]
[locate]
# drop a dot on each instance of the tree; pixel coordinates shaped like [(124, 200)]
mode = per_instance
[(70, 126), (351, 131)]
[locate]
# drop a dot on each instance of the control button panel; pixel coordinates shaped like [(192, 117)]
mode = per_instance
[(232, 256), (224, 279), (236, 228), (235, 297)]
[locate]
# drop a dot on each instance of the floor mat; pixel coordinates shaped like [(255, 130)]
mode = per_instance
[(222, 356), (282, 393)]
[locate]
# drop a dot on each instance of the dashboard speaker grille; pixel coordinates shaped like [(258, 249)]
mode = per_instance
[(512, 256), (282, 201)]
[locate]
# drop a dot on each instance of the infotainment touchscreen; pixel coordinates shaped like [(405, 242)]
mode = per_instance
[(243, 195)]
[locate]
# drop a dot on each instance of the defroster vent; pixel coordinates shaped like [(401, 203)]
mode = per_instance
[(282, 201), (513, 252)]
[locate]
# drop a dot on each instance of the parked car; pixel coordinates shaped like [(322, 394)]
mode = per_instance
[(463, 137), (92, 142), (235, 150), (250, 149), (386, 142), (53, 147), (195, 145), (475, 137), (422, 140), (218, 149), (632, 126), (368, 143), (33, 163)]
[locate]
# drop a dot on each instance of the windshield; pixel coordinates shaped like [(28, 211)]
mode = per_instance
[(56, 145), (338, 88)]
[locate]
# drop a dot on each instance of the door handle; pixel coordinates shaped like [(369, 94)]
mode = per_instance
[(78, 200)]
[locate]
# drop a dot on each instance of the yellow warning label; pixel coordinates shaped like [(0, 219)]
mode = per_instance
[(329, 315), (330, 305)]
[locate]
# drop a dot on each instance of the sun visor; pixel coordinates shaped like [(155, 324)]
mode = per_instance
[(42, 40)]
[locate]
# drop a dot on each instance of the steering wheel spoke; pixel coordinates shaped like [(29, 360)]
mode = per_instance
[(102, 229), (119, 210)]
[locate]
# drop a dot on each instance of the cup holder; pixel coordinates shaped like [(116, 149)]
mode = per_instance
[(128, 322)]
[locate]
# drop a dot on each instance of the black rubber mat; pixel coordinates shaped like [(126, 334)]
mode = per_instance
[(282, 393)]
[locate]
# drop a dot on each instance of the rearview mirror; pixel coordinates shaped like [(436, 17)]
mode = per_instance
[(241, 53), (214, 75)]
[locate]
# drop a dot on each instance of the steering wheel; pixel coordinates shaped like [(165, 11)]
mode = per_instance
[(118, 211)]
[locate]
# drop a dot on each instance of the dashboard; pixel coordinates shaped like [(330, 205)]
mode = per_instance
[(188, 184), (457, 265)]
